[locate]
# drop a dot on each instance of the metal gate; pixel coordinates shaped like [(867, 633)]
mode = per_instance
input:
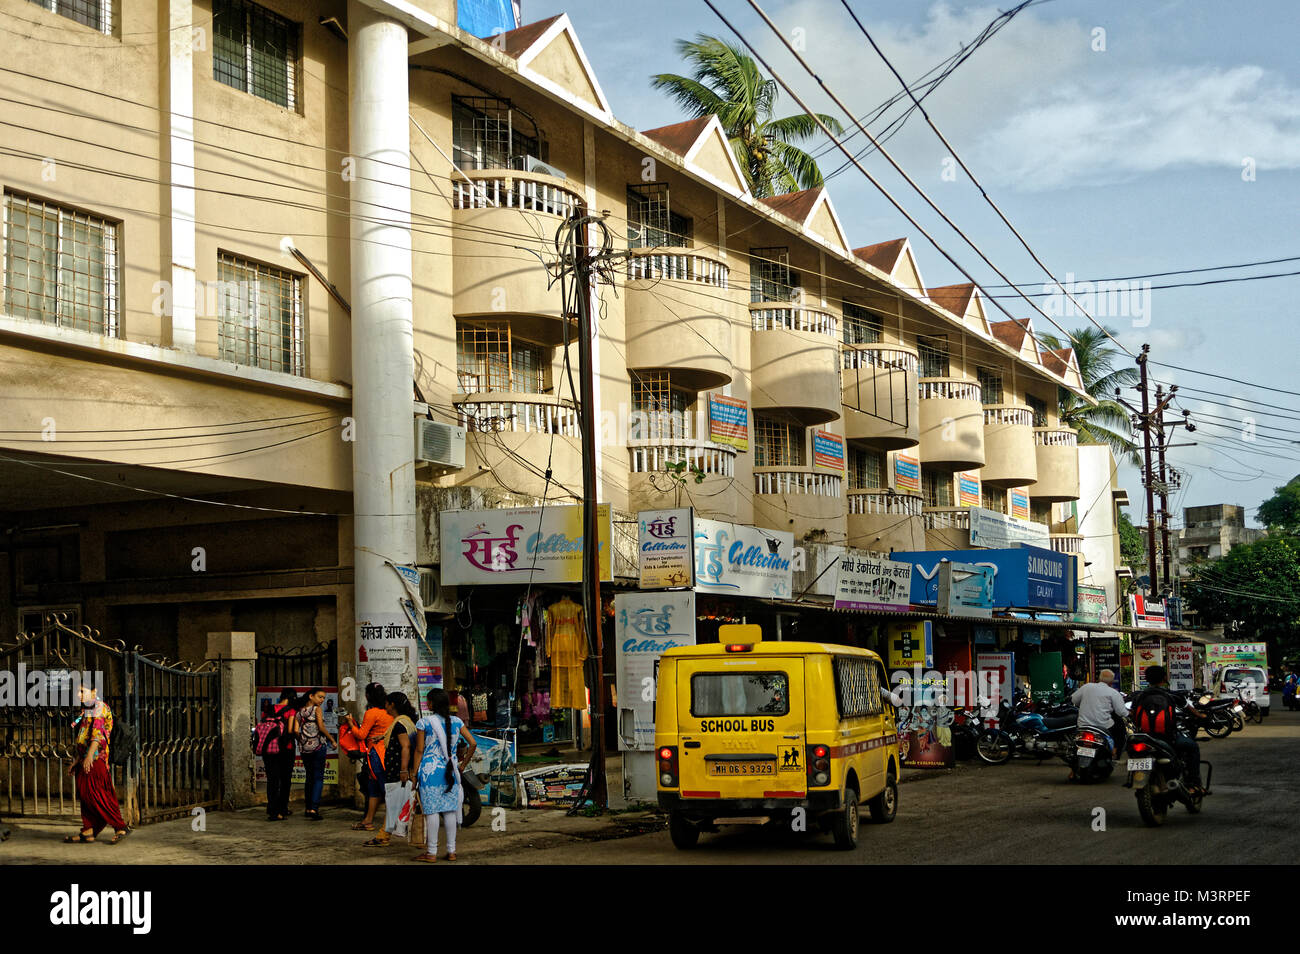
[(175, 711), (305, 666)]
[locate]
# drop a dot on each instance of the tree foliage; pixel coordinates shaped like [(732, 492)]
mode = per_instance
[(1281, 512), (726, 82), (1106, 422), (1257, 585), (1132, 545)]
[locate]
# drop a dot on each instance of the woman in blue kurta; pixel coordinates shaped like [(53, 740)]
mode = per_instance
[(437, 737)]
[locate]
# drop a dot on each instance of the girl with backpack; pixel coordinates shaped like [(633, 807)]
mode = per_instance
[(312, 738), (274, 743), (436, 739)]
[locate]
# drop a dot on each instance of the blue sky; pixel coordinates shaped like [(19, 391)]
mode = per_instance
[(1114, 162)]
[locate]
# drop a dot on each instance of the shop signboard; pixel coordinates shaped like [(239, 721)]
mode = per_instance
[(1147, 614), (666, 554), (997, 531), (965, 589), (1092, 605), (968, 489), (519, 545), (985, 636), (267, 699), (729, 421), (907, 473), (1046, 678), (1179, 661), (428, 666), (1148, 651), (910, 644), (1219, 655), (739, 560), (646, 626), (997, 671), (866, 584), (1023, 577), (828, 451), (1105, 655), (1020, 504)]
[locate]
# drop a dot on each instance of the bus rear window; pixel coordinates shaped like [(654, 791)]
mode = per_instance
[(740, 693)]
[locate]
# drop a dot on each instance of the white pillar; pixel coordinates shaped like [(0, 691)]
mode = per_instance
[(180, 151), (383, 367)]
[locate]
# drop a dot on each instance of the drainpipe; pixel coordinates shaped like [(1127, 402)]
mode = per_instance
[(383, 466)]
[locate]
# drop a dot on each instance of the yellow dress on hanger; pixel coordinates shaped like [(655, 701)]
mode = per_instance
[(566, 644)]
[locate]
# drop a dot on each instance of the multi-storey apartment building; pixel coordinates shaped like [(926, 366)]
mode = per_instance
[(176, 390)]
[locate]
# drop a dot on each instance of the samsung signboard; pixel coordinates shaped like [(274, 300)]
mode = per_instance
[(1030, 578)]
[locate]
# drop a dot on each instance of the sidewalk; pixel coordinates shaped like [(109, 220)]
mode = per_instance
[(246, 837)]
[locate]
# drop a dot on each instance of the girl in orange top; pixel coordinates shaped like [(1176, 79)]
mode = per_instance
[(373, 729)]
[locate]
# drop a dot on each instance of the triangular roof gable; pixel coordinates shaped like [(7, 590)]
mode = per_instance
[(896, 260), (824, 221), (1065, 365), (966, 303), (711, 155), (550, 55)]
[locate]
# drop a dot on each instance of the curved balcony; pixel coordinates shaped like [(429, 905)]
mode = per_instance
[(878, 385), (795, 359), (494, 280), (952, 424), (1066, 542), (884, 521), (807, 502), (1057, 451), (946, 528), (651, 487), (680, 310), (1009, 446), (506, 431)]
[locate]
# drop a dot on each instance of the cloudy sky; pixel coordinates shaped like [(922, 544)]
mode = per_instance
[(1120, 138)]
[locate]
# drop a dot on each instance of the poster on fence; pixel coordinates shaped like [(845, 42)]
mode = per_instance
[(267, 698)]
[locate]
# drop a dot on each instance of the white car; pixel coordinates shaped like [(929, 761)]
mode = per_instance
[(1252, 680)]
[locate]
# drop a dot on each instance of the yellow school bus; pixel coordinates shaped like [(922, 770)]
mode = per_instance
[(753, 731)]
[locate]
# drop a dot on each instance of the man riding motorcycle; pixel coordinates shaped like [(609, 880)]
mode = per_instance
[(1101, 707), (1159, 698)]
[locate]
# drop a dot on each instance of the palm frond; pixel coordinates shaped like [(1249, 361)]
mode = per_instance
[(798, 169), (801, 126), (692, 95)]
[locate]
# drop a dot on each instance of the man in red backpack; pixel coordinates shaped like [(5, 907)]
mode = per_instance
[(1154, 712)]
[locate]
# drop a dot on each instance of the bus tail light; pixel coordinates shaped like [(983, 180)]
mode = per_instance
[(667, 759), (819, 765)]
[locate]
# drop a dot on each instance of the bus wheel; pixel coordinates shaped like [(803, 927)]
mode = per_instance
[(844, 826), (683, 833), (885, 805)]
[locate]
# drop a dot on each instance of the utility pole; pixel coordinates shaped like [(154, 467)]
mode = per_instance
[(583, 265), (1162, 487), (1146, 476)]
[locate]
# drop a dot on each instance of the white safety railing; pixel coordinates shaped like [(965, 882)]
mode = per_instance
[(652, 456), (677, 266), (776, 316), (949, 389), (937, 518), (1056, 437), (519, 417), (879, 356), (1008, 414), (798, 482), (885, 504), (506, 191), (1066, 542)]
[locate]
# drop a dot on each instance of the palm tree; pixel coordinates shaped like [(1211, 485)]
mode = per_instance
[(726, 82), (1107, 421)]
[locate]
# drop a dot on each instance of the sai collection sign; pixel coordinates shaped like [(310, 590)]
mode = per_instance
[(739, 560), (866, 584), (519, 544), (666, 548), (646, 626)]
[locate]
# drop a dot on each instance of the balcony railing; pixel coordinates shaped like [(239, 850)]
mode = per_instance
[(518, 416), (1056, 437), (1007, 414), (885, 357), (949, 389), (774, 316), (513, 190), (1066, 542), (945, 518), (681, 266), (650, 456), (804, 482), (883, 503)]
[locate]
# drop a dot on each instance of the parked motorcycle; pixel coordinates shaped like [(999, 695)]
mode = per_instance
[(1028, 734), (1224, 716), (1091, 760), (1155, 773)]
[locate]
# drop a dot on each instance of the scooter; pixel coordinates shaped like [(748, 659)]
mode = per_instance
[(1155, 774), (1091, 760)]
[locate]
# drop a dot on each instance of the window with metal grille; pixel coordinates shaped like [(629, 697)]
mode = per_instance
[(936, 488), (260, 321), (777, 442), (489, 133), (993, 499), (60, 266), (857, 687), (990, 385), (933, 352), (255, 50), (490, 357), (97, 14), (1039, 409), (866, 468), (861, 326), (659, 410), (770, 277), (651, 222)]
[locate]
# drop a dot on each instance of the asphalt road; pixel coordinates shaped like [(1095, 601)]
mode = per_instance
[(1027, 813)]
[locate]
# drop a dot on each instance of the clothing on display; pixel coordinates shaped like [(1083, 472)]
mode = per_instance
[(566, 638)]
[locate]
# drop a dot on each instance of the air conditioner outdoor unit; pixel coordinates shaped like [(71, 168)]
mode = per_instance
[(533, 164), (437, 599), (439, 444)]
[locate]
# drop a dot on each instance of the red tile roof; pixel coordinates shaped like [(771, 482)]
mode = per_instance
[(883, 255), (794, 205), (954, 298), (679, 137), (1058, 362), (1011, 333), (515, 43)]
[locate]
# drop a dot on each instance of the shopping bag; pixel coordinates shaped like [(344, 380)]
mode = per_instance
[(416, 838), (397, 805)]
